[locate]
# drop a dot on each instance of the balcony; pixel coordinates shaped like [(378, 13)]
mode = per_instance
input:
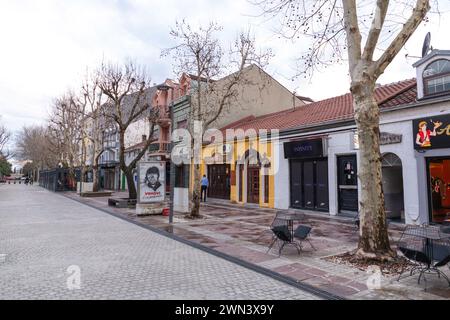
[(159, 147)]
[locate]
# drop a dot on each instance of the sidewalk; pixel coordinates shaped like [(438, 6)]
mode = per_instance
[(240, 232)]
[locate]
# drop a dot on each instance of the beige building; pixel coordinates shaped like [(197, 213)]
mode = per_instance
[(256, 94)]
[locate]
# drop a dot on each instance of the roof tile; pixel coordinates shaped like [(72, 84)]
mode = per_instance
[(332, 109)]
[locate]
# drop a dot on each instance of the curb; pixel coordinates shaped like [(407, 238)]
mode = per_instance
[(267, 272)]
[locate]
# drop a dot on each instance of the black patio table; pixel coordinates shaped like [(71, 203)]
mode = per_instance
[(431, 237), (428, 246)]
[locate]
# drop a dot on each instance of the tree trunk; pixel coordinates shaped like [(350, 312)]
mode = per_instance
[(132, 193), (374, 239), (95, 178), (196, 192)]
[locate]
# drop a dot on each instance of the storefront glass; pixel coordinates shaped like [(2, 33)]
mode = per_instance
[(439, 188)]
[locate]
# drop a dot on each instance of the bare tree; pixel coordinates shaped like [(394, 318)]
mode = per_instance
[(66, 131), (200, 54), (127, 88), (336, 30), (94, 124), (34, 143), (5, 137)]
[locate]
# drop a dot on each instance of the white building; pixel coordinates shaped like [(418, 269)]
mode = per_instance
[(317, 152)]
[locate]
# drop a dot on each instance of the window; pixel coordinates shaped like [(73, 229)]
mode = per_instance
[(266, 188), (436, 77), (182, 176)]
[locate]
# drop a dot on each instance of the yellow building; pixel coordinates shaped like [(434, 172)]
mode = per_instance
[(241, 171)]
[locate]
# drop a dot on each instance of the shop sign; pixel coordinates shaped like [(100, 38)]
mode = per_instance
[(385, 138), (304, 149), (431, 133), (390, 138)]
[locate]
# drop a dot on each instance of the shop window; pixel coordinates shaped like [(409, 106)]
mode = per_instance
[(439, 189)]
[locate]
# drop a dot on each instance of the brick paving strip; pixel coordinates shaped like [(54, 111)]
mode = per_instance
[(238, 235), (42, 234)]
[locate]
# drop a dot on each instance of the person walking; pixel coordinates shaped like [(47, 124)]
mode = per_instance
[(204, 184)]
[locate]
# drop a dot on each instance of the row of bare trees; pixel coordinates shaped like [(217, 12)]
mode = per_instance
[(115, 96), (110, 99)]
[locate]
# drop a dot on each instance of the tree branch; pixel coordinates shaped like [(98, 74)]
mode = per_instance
[(375, 29), (419, 13)]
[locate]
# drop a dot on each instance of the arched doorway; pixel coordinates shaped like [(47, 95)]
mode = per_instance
[(392, 177), (250, 168)]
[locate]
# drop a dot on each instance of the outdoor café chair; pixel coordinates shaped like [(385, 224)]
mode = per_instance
[(283, 235), (271, 226), (302, 234)]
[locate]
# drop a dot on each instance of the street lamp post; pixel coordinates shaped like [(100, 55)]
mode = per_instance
[(164, 87)]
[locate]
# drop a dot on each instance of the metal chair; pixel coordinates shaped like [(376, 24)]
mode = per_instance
[(272, 224), (282, 234), (302, 234)]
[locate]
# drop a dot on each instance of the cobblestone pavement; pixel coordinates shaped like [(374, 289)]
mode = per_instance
[(42, 234), (242, 232)]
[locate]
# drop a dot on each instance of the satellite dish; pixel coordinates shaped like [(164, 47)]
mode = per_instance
[(426, 45)]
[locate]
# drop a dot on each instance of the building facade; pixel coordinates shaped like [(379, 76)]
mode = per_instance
[(314, 161), (257, 95)]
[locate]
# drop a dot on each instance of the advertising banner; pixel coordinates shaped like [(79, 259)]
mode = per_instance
[(152, 181)]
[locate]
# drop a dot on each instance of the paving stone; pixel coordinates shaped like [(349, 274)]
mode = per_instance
[(44, 233)]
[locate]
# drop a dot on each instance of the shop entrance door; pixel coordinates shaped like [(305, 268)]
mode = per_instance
[(439, 189), (347, 183), (219, 181), (110, 176), (252, 185), (309, 184)]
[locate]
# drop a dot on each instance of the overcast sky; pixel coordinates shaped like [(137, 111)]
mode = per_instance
[(47, 45)]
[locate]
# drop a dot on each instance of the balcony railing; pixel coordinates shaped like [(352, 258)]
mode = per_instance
[(162, 147)]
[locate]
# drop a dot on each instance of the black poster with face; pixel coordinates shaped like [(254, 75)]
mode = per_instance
[(432, 132), (303, 149)]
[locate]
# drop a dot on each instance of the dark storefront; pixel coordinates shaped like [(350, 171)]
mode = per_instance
[(308, 174), (432, 138), (219, 181)]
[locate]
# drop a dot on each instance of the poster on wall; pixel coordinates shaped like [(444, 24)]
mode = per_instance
[(152, 181), (431, 132)]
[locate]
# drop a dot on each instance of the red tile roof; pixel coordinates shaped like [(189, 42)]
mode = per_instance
[(328, 110)]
